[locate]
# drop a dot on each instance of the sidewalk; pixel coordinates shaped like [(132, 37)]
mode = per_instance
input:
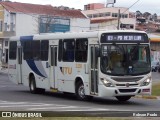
[(3, 70), (3, 67)]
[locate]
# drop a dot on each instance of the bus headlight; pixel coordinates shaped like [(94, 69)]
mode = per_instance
[(146, 82), (106, 82)]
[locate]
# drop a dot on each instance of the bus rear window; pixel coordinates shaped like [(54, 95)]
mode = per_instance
[(12, 50)]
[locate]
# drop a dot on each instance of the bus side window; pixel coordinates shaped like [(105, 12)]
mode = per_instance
[(44, 50), (68, 50), (81, 50), (36, 49)]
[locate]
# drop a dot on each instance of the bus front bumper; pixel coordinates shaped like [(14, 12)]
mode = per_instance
[(124, 91)]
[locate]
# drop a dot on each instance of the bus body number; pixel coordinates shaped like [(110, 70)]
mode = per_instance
[(78, 65), (66, 70)]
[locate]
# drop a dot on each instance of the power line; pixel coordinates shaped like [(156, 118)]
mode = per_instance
[(131, 6)]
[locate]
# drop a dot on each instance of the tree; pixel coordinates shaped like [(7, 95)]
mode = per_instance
[(45, 23), (146, 15), (154, 16), (138, 14)]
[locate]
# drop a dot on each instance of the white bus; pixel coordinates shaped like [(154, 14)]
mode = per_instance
[(96, 63)]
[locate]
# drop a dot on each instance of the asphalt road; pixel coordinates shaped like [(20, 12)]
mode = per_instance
[(18, 98)]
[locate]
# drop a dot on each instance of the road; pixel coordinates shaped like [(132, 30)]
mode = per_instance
[(18, 98)]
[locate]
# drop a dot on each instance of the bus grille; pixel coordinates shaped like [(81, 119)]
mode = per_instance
[(127, 79), (129, 84), (127, 90)]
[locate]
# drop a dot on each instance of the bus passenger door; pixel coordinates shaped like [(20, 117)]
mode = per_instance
[(53, 66), (19, 65), (94, 69)]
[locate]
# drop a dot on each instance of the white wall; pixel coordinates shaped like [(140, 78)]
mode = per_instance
[(128, 21), (79, 24), (112, 25), (26, 24)]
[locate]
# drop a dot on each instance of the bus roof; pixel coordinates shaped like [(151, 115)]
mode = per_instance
[(68, 35)]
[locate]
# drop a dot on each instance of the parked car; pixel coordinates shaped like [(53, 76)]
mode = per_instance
[(155, 66), (159, 68)]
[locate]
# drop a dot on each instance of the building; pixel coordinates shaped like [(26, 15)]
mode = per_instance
[(110, 24), (155, 41), (93, 6), (26, 19), (127, 20)]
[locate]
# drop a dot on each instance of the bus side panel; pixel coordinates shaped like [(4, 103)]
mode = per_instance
[(35, 67), (12, 62), (67, 74), (25, 73), (42, 81), (12, 71), (65, 77)]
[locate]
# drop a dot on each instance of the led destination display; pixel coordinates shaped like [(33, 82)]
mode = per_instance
[(123, 37)]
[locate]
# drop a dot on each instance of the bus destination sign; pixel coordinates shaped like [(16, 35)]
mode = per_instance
[(123, 37)]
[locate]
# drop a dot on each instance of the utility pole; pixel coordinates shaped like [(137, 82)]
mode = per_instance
[(118, 19)]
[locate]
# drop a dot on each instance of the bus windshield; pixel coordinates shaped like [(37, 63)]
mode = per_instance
[(125, 59)]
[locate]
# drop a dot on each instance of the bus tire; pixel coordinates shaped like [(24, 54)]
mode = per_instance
[(123, 98), (32, 85), (80, 92), (40, 90)]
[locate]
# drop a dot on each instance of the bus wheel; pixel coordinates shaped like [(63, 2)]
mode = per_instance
[(80, 92), (32, 85), (123, 98)]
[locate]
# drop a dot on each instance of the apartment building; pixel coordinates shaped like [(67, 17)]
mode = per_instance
[(102, 13)]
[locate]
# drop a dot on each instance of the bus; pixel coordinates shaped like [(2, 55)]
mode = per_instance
[(89, 64)]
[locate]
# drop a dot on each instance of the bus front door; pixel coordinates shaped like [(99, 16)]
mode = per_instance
[(19, 65), (94, 69), (53, 67)]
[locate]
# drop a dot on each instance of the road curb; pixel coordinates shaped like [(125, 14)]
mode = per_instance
[(147, 97), (158, 97)]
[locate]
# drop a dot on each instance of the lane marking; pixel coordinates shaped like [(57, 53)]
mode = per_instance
[(23, 105), (54, 108), (45, 106), (1, 86)]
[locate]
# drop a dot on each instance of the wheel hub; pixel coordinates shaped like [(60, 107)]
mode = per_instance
[(81, 92)]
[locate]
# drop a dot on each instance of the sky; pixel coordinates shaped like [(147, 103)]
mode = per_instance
[(152, 6)]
